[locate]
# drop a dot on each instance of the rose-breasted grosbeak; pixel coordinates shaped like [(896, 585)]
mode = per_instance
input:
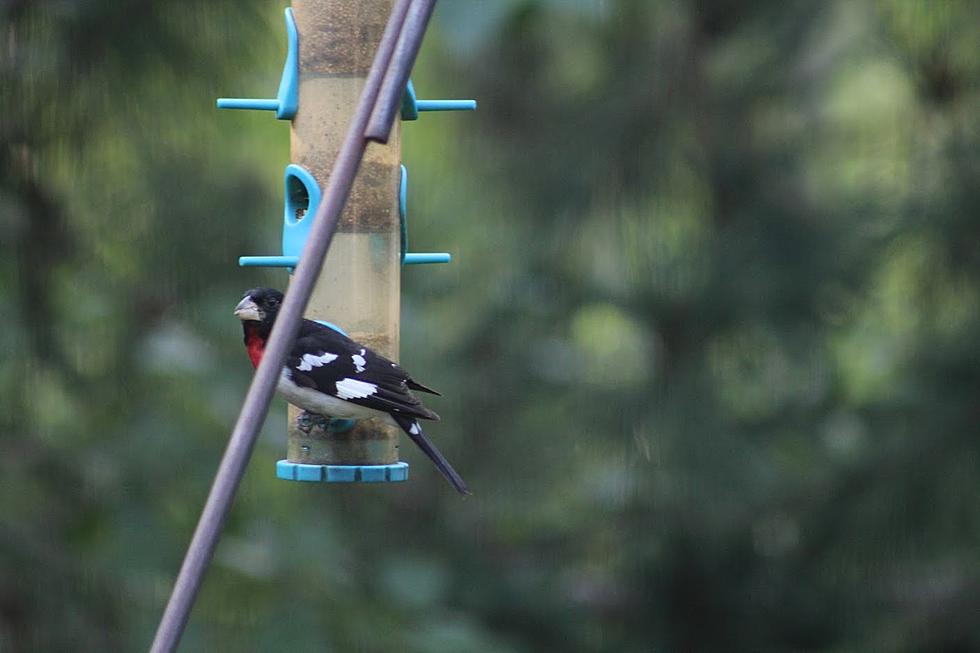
[(329, 374)]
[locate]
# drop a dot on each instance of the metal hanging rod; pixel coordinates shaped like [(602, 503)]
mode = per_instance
[(379, 103)]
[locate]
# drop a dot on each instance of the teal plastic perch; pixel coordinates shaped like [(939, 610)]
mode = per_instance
[(426, 258), (446, 105), (268, 261), (302, 197), (286, 102), (410, 258), (412, 106), (422, 258)]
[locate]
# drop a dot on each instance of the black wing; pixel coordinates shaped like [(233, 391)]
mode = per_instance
[(328, 361)]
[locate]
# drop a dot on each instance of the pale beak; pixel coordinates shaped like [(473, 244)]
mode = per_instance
[(248, 310)]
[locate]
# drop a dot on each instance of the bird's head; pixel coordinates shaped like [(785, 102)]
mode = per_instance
[(259, 305)]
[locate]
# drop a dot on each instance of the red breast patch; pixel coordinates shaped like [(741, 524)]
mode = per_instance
[(256, 347)]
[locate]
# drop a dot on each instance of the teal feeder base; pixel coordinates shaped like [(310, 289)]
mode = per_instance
[(394, 473)]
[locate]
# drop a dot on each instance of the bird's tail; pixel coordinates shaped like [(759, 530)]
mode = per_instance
[(412, 427)]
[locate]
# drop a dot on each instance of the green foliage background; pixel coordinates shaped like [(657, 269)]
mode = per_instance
[(709, 341)]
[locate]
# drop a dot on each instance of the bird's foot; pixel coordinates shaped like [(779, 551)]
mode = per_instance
[(307, 422)]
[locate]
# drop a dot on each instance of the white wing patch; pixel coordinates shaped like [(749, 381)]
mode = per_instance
[(415, 430), (354, 389), (312, 360), (359, 362), (322, 403)]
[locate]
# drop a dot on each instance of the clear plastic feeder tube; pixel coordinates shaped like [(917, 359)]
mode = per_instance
[(359, 287)]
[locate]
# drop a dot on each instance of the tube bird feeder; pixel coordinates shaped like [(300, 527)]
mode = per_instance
[(330, 48), (360, 283)]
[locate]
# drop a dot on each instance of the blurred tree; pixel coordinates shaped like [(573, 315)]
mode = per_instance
[(114, 189), (731, 305)]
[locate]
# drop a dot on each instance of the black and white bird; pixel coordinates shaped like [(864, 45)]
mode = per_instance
[(328, 374)]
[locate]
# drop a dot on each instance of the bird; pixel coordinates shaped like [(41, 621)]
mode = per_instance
[(328, 374)]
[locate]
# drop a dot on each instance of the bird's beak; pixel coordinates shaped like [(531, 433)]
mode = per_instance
[(248, 310)]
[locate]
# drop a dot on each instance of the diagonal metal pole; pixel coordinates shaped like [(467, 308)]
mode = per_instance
[(397, 73), (256, 405)]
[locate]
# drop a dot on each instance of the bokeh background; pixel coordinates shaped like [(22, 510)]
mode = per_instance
[(710, 342)]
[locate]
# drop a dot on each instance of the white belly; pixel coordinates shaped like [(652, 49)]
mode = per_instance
[(323, 404)]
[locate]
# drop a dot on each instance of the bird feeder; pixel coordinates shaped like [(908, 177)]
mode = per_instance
[(360, 283)]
